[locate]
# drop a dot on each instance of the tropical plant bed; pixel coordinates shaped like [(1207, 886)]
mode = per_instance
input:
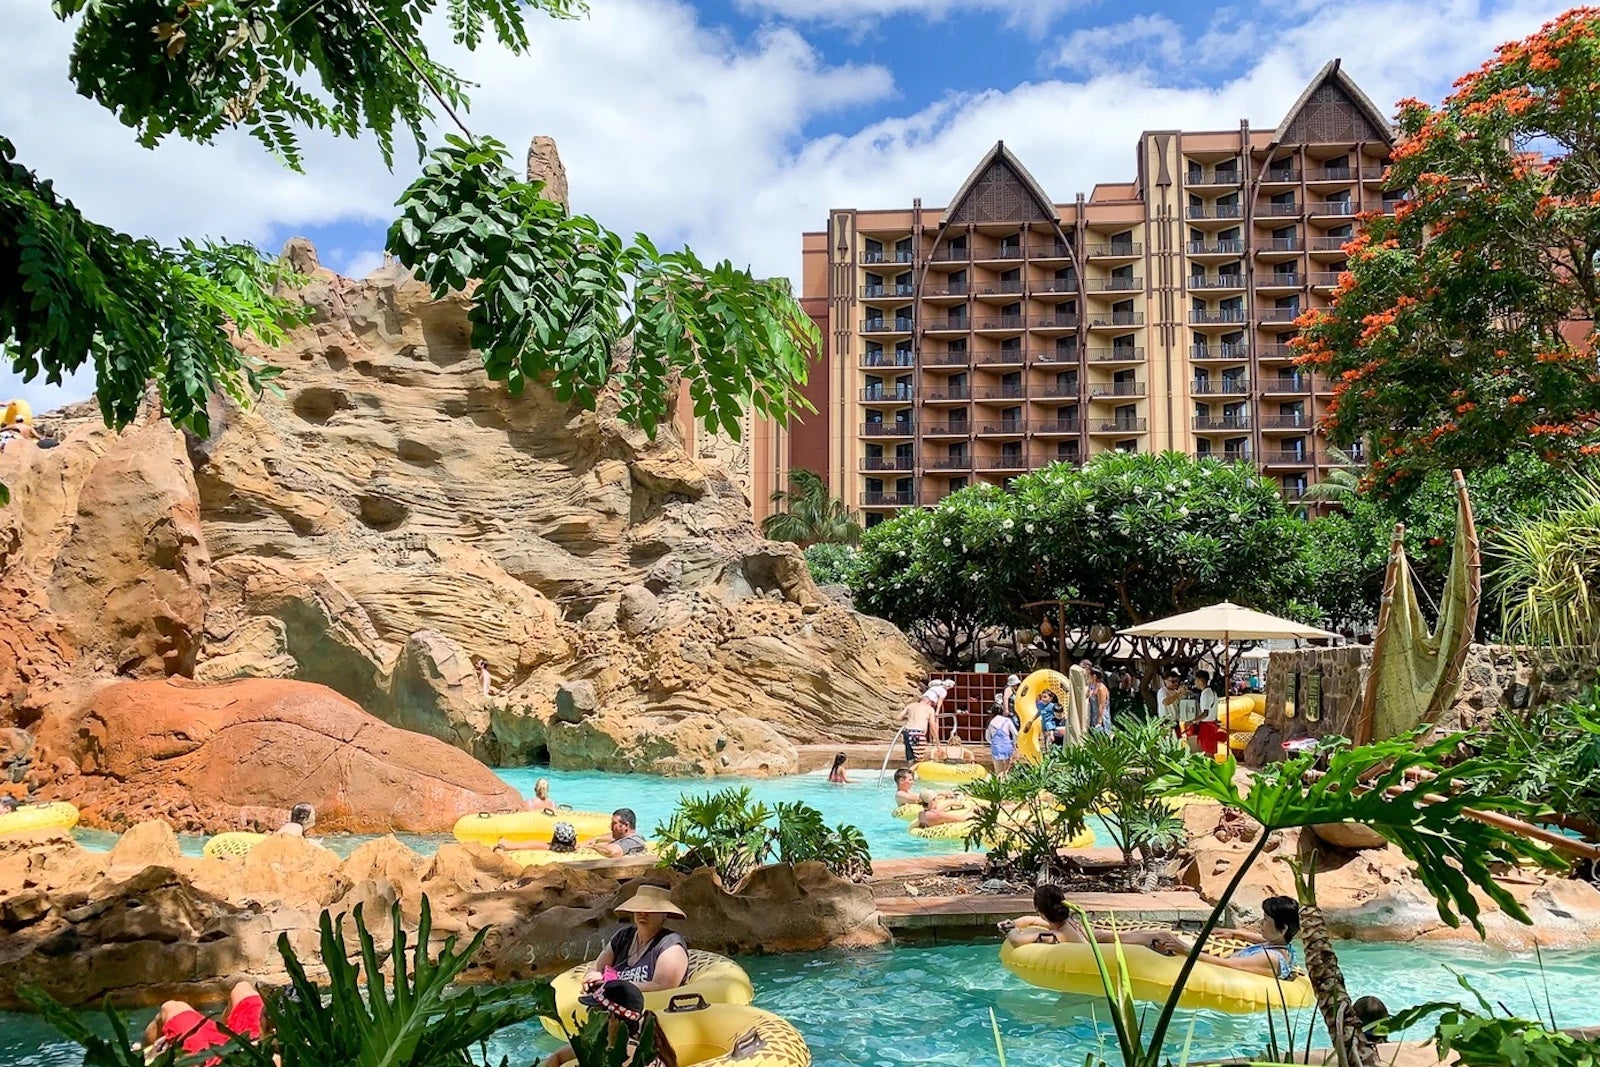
[(963, 883)]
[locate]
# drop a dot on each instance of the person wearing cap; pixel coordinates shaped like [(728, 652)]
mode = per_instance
[(1007, 698), (626, 1014), (645, 953)]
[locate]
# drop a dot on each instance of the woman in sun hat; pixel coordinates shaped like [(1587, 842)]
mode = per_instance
[(645, 953), (623, 1004)]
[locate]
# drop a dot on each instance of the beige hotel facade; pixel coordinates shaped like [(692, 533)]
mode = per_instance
[(1007, 331)]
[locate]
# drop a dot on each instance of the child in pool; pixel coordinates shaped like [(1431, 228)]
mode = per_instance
[(837, 775)]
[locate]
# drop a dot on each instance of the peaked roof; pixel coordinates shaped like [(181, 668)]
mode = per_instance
[(1000, 157), (1333, 74)]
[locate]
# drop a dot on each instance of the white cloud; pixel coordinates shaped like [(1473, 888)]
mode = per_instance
[(1033, 15), (690, 134)]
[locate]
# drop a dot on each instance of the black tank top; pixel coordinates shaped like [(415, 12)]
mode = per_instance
[(645, 969)]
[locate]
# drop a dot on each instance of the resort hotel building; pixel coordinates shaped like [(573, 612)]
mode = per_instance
[(1005, 331)]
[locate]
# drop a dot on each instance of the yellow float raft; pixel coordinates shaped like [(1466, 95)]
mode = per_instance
[(715, 979), (1070, 968), (57, 815), (531, 857), (911, 811), (950, 773), (486, 828), (731, 1035), (1030, 738), (235, 844)]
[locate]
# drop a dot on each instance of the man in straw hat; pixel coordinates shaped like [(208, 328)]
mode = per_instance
[(645, 953)]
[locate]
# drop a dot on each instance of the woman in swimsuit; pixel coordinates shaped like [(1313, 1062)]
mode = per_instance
[(836, 776), (1269, 954), (645, 953), (541, 797), (1055, 923)]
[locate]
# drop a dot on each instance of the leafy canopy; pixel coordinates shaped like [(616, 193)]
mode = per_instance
[(810, 516), (1462, 331)]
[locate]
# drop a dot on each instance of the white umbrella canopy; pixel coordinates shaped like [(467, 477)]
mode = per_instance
[(1226, 622)]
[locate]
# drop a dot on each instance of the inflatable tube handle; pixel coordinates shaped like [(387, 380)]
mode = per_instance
[(746, 1044), (688, 1002)]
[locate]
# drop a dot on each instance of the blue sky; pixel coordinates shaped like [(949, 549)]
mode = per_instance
[(734, 125)]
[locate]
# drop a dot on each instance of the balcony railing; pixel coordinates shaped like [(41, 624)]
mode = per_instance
[(946, 359), (951, 463), (887, 463), (887, 359), (1214, 211), (1056, 426), (1055, 322), (1118, 318), (1234, 455), (1015, 461), (1049, 251), (1110, 389), (1324, 279), (1331, 174), (949, 322), (897, 428), (1216, 318), (870, 291), (1335, 207), (951, 254), (1116, 354), (998, 252), (1280, 211), (1330, 244), (1279, 314), (1212, 176), (1006, 357), (1286, 422), (1216, 248), (1054, 391), (1053, 285), (1279, 280), (903, 393), (1004, 426), (886, 326), (1221, 423), (1116, 285), (1139, 425), (1220, 386), (946, 429), (886, 257), (1057, 355), (1281, 174), (1287, 458), (888, 500), (1275, 351), (1003, 322), (1003, 392), (1216, 281), (1009, 287), (1287, 383), (949, 392), (1219, 351), (956, 289), (1281, 244), (1117, 249), (1293, 492)]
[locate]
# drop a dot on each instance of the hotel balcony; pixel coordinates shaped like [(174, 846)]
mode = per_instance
[(1220, 387), (1221, 423), (1119, 426), (1014, 462), (1005, 357), (1279, 315), (1068, 391), (1279, 280), (1056, 427), (894, 428), (947, 429), (1317, 175), (946, 254), (1102, 320), (947, 394), (1115, 250), (1280, 246), (1115, 354), (1287, 458), (1293, 492), (1224, 455), (1115, 285), (880, 326), (1003, 428), (888, 500), (1229, 352), (873, 360), (948, 324), (1006, 290), (1232, 247), (1280, 211), (1056, 250), (1053, 287), (1281, 176), (1052, 323), (1334, 209), (1211, 176), (1213, 212), (1222, 317), (993, 393), (947, 291), (887, 292), (1327, 245), (886, 257), (1286, 384), (997, 254), (1217, 281), (886, 463), (1324, 279), (889, 394), (1270, 352), (1114, 390), (1001, 324), (1286, 423), (947, 359), (951, 463)]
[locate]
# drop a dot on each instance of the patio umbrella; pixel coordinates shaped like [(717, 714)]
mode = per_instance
[(1226, 622)]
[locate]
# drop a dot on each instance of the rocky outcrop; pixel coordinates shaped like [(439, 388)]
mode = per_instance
[(143, 923), (239, 755)]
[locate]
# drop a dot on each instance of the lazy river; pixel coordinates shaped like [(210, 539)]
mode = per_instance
[(921, 1005)]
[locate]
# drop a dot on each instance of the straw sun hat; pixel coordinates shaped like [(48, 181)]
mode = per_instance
[(652, 899)]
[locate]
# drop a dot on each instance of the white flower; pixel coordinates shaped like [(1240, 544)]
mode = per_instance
[(1008, 524), (1089, 508), (977, 576), (947, 542), (1029, 527), (901, 553), (1008, 539), (1184, 512)]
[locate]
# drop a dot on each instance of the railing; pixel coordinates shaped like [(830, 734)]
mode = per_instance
[(1293, 492), (1055, 322), (1121, 249), (1216, 318), (1014, 462), (1216, 248), (887, 500), (949, 322), (1281, 211), (1050, 251), (886, 326), (958, 289), (896, 428), (951, 254), (1116, 389), (1219, 351), (1235, 455), (1275, 351), (1335, 207), (1287, 383), (1056, 426), (1214, 211), (1286, 422), (949, 392), (902, 393), (886, 257), (1280, 244), (1053, 285), (1212, 176), (1006, 357), (951, 463), (1289, 458), (947, 429), (1216, 281), (1116, 355), (1279, 279), (1281, 174), (947, 359), (1330, 244), (1324, 278), (1391, 202), (1220, 386), (886, 463), (1138, 425), (1004, 322), (1010, 287), (1003, 392), (871, 291), (1221, 423), (999, 252), (881, 359), (1056, 392), (1280, 314), (1118, 318), (1115, 285), (1331, 174), (1004, 426), (1058, 355)]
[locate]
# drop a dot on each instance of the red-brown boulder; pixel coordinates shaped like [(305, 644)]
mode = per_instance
[(239, 755)]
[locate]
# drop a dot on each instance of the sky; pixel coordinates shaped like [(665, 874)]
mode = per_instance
[(734, 126)]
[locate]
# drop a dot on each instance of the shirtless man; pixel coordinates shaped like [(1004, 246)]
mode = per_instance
[(918, 717), (905, 791)]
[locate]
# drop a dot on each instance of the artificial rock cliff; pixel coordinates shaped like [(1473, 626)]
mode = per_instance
[(392, 517)]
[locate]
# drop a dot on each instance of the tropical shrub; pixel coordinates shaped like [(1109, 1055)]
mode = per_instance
[(734, 834), (1490, 1038), (832, 564), (810, 516), (1548, 756), (1548, 574)]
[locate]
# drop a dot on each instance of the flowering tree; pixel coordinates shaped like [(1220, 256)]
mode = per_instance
[(1463, 329)]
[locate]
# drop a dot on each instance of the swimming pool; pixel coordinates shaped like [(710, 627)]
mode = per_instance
[(930, 1005), (862, 803)]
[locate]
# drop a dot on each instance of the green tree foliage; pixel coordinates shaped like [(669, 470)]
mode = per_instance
[(832, 564), (1462, 332), (810, 515), (1549, 756), (732, 833), (1548, 576), (556, 294), (1487, 1037)]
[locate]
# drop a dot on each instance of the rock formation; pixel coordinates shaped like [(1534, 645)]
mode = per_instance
[(395, 516), (143, 923)]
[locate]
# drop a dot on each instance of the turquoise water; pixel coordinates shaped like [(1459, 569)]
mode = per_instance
[(930, 1005), (862, 803)]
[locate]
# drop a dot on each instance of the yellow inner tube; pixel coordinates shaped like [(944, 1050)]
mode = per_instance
[(715, 978), (939, 771), (487, 829), (1030, 738), (531, 857), (235, 843), (1070, 968), (911, 811), (57, 815), (723, 1035)]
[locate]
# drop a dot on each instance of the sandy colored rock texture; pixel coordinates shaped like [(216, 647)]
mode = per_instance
[(143, 923)]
